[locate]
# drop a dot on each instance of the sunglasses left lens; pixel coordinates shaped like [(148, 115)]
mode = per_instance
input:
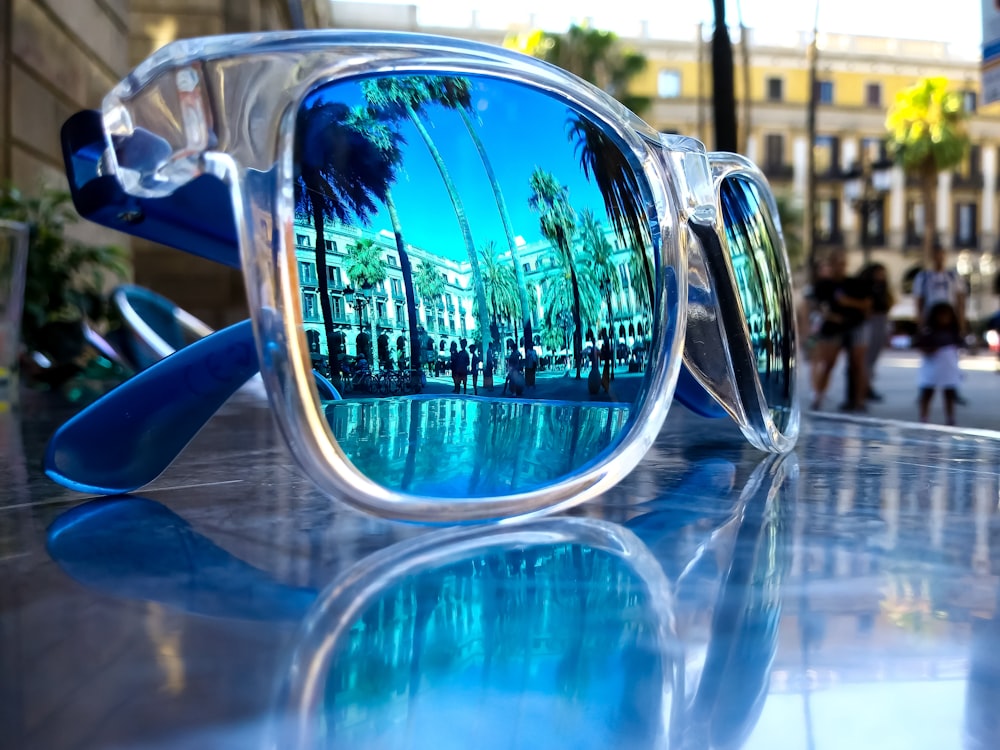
[(477, 276), (759, 264)]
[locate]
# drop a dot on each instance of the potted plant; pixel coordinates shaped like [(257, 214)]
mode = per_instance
[(65, 283)]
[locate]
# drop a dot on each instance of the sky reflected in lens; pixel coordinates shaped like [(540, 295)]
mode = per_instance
[(477, 239)]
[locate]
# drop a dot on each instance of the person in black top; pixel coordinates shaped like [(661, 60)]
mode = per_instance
[(877, 278), (843, 303)]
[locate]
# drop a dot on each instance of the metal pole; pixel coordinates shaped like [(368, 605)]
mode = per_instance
[(723, 90), (866, 208), (809, 214)]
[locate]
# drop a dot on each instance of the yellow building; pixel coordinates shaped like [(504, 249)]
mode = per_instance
[(858, 79)]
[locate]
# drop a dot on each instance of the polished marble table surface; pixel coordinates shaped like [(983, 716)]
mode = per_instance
[(842, 597)]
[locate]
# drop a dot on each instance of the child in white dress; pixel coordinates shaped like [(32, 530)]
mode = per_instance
[(938, 341)]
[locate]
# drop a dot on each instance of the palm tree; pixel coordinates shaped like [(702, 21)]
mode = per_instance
[(430, 287), (927, 135), (407, 95), (502, 293), (365, 268), (602, 267), (328, 185), (594, 55), (607, 167), (637, 265), (557, 223), (389, 141), (522, 287)]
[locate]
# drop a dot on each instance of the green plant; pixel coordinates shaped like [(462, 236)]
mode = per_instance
[(790, 215), (928, 134), (66, 278)]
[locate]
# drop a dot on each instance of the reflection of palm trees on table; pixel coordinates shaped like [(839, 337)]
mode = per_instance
[(327, 185)]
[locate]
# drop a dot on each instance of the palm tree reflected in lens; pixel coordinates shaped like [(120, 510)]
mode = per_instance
[(468, 235)]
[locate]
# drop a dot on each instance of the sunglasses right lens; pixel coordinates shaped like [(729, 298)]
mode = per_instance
[(477, 281), (758, 259)]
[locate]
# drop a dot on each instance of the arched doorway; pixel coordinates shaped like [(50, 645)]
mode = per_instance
[(384, 360), (363, 346)]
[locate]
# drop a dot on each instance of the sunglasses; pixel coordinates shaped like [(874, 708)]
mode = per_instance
[(476, 282)]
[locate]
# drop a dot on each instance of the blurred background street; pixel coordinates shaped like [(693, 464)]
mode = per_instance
[(896, 382)]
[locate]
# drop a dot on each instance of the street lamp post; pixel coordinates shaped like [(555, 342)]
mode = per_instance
[(359, 300), (865, 189)]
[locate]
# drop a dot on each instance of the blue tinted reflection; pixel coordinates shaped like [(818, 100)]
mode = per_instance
[(533, 638), (452, 446), (758, 262), (463, 234)]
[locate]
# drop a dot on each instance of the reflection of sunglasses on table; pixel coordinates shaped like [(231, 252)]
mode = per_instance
[(471, 192)]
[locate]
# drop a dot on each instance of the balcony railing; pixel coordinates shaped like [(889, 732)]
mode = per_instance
[(836, 237), (778, 171), (833, 174), (972, 181), (966, 243)]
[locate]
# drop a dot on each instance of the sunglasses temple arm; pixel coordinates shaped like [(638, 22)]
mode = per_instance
[(127, 438), (197, 218)]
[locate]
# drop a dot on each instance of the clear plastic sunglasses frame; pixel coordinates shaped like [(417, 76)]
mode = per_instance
[(226, 106)]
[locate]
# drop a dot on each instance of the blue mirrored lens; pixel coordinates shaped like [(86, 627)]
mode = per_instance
[(475, 242), (758, 259)]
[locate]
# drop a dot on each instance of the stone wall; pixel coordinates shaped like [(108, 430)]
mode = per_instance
[(60, 56), (56, 57), (207, 290)]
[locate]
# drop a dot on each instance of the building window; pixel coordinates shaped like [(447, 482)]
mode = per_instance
[(874, 150), (390, 259), (333, 277), (775, 89), (774, 150), (306, 273), (302, 240), (399, 313), (969, 169), (309, 306), (827, 155), (380, 309), (397, 288), (526, 267), (668, 84), (828, 221), (914, 223), (824, 92), (337, 306), (623, 272), (876, 224), (970, 101), (330, 246), (965, 225), (873, 94)]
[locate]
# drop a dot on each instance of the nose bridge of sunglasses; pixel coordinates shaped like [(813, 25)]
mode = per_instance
[(692, 172)]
